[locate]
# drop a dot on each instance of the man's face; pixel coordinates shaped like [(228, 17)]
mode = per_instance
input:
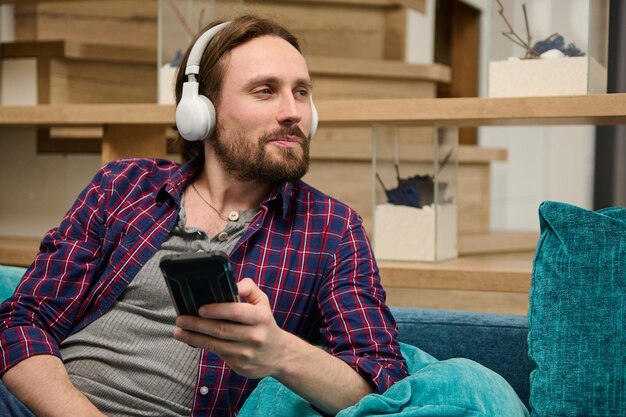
[(262, 111)]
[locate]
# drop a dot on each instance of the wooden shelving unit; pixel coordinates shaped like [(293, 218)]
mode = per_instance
[(504, 272)]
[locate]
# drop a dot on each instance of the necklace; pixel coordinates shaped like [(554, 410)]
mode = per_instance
[(219, 213)]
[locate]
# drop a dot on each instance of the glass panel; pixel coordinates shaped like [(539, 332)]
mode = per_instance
[(415, 193)]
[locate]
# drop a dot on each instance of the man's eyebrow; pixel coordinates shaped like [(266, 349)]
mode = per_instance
[(303, 82)]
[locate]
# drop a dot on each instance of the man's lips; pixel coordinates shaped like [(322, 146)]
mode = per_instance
[(286, 141)]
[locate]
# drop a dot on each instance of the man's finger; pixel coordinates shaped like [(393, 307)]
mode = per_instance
[(250, 292)]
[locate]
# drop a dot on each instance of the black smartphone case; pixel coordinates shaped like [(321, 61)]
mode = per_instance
[(196, 279)]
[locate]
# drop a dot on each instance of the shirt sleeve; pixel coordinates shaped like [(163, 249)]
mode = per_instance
[(54, 289), (357, 324)]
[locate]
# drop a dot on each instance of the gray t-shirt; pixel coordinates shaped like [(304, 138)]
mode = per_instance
[(127, 362)]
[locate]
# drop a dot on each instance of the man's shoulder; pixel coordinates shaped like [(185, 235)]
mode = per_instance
[(136, 175), (138, 171), (319, 201), (146, 165)]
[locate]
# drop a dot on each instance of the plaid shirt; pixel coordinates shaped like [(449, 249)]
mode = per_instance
[(307, 252)]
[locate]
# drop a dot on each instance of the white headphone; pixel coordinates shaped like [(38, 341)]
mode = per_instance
[(195, 113)]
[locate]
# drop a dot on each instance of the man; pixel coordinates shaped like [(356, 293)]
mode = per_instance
[(89, 330)]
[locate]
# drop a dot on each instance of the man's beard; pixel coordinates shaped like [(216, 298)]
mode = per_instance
[(249, 160)]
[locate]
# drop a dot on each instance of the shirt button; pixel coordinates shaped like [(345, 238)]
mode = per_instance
[(233, 216), (222, 236), (204, 390)]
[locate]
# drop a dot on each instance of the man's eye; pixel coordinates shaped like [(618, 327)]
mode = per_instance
[(263, 91), (302, 92)]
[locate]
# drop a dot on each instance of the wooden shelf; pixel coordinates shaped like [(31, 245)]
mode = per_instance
[(605, 109), (18, 251), (77, 50), (498, 282), (508, 272), (370, 68), (601, 109), (87, 114), (477, 272), (497, 242)]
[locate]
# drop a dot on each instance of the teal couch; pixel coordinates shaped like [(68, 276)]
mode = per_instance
[(497, 341), (494, 340)]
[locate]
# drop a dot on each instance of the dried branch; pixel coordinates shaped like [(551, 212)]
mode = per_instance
[(200, 19), (529, 42), (181, 19), (514, 37)]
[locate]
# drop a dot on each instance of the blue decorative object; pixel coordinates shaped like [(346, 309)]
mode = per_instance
[(556, 41), (406, 194), (416, 191), (175, 62)]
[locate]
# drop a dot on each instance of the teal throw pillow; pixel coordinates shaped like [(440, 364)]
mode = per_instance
[(577, 315)]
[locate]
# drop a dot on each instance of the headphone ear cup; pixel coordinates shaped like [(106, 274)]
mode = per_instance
[(195, 114), (314, 120)]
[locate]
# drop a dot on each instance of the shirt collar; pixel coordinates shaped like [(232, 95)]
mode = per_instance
[(176, 183), (281, 193)]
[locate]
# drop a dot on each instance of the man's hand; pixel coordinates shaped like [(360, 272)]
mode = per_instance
[(245, 335)]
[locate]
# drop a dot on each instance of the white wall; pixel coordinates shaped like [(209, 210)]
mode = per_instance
[(420, 47), (545, 163)]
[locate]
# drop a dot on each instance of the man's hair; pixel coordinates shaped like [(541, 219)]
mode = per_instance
[(213, 62)]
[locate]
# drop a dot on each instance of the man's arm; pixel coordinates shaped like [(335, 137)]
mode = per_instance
[(43, 385), (322, 379), (246, 337)]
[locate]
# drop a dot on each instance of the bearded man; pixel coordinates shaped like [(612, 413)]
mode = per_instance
[(91, 329)]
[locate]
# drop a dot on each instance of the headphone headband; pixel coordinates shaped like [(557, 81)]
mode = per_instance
[(193, 62)]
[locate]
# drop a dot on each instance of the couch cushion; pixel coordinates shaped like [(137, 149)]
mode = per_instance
[(577, 313), (10, 276), (497, 341)]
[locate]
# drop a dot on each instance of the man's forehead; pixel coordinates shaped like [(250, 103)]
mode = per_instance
[(268, 57)]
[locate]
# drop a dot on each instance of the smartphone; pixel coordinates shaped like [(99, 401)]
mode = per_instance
[(196, 279)]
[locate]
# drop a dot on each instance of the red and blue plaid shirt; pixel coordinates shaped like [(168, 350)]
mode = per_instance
[(306, 251)]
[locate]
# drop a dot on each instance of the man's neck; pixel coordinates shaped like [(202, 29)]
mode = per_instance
[(226, 192)]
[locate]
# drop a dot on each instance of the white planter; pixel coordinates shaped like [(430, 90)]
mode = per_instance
[(546, 77), (167, 78), (425, 234)]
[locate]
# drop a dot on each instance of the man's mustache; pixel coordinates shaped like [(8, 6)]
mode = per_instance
[(282, 132)]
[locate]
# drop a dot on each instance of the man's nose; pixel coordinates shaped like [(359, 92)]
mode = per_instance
[(290, 112)]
